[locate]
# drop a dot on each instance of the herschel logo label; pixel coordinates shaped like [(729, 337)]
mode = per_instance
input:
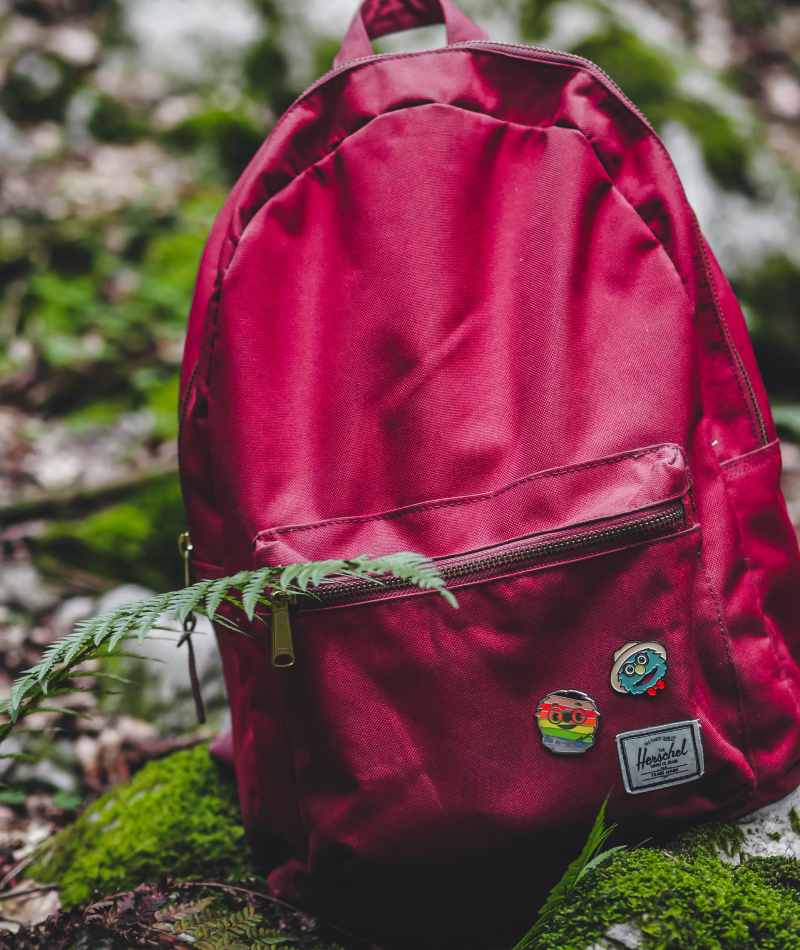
[(660, 756)]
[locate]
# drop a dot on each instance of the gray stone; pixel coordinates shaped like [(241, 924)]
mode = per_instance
[(627, 934), (770, 820)]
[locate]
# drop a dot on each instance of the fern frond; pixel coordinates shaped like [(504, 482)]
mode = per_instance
[(99, 636), (220, 587), (183, 602), (253, 588), (19, 688), (150, 611)]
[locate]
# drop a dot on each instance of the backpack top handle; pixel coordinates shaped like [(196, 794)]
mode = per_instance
[(376, 18)]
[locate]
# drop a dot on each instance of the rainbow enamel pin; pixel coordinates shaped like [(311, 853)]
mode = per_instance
[(568, 720)]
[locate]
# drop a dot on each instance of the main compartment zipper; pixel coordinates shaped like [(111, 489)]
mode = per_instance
[(487, 563)]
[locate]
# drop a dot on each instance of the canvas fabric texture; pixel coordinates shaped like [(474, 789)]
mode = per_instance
[(458, 302)]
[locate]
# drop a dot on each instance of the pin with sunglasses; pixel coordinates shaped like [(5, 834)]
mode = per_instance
[(639, 667), (568, 721)]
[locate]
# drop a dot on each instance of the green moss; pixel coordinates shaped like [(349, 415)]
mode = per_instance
[(687, 899), (712, 838), (794, 820), (131, 541), (178, 816)]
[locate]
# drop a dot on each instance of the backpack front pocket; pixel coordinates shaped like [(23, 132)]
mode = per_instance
[(585, 615)]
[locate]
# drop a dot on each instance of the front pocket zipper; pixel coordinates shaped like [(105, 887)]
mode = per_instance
[(486, 563)]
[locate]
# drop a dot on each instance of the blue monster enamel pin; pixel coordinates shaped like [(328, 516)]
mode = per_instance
[(639, 667)]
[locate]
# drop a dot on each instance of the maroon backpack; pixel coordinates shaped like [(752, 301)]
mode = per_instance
[(458, 304)]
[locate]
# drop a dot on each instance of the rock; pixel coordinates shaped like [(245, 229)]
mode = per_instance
[(772, 831), (627, 934), (21, 585)]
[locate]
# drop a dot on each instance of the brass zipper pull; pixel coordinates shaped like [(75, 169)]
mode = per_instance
[(282, 646)]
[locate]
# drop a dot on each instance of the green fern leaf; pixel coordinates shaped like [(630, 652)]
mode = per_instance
[(109, 629), (187, 600), (19, 689), (148, 618), (119, 628), (236, 582), (313, 572), (288, 575), (82, 636), (49, 658), (216, 592), (555, 899), (105, 623), (253, 588)]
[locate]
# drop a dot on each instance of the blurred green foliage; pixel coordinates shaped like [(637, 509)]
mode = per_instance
[(39, 88), (111, 121), (98, 316), (230, 138), (771, 298)]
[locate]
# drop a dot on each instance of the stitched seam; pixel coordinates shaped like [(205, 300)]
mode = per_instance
[(744, 471), (728, 649), (745, 732), (765, 454), (699, 249), (730, 349), (542, 128), (575, 67), (460, 501)]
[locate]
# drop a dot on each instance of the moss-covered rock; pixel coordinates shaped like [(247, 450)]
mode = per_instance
[(684, 899), (178, 816)]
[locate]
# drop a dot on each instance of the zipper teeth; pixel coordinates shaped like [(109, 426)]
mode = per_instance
[(535, 551)]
